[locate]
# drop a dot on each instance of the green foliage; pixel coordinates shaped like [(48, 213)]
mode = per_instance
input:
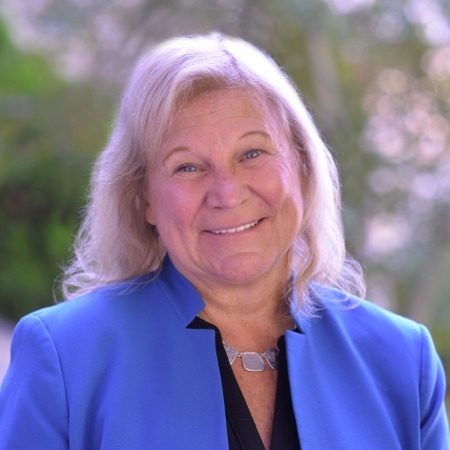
[(50, 132), (23, 74)]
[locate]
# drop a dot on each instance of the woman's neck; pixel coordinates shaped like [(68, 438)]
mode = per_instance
[(250, 317)]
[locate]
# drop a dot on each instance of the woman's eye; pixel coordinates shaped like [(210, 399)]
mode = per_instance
[(186, 168), (252, 154)]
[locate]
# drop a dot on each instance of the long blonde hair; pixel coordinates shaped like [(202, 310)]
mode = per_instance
[(115, 242)]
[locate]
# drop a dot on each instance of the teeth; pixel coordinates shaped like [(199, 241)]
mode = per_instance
[(235, 230)]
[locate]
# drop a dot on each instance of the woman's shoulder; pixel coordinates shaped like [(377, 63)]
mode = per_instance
[(382, 341), (346, 307), (364, 322), (147, 302), (108, 305)]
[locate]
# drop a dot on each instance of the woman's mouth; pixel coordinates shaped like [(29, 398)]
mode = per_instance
[(234, 230)]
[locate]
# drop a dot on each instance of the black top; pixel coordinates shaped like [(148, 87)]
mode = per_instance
[(241, 428)]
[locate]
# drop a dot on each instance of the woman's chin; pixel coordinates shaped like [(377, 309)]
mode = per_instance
[(243, 269)]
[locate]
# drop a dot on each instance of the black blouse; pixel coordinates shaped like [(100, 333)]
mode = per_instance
[(241, 428)]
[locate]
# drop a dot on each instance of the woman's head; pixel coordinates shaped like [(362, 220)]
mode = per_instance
[(115, 241), (224, 193)]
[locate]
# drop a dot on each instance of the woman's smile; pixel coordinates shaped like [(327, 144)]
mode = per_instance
[(235, 230)]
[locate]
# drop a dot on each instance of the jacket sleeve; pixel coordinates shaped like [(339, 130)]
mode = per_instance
[(434, 430), (33, 407)]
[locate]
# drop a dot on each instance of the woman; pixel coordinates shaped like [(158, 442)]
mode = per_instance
[(210, 276)]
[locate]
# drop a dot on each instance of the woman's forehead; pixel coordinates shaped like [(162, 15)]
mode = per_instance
[(232, 105)]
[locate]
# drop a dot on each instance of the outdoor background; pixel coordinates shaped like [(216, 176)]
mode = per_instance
[(375, 74)]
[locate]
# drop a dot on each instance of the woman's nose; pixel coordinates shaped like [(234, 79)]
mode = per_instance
[(226, 190)]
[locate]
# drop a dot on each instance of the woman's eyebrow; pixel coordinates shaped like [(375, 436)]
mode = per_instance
[(174, 151), (264, 134)]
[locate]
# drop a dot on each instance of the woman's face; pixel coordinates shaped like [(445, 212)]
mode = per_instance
[(224, 194)]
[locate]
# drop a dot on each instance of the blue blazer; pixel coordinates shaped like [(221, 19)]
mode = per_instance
[(117, 369)]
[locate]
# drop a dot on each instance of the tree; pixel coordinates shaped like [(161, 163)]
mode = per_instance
[(49, 134)]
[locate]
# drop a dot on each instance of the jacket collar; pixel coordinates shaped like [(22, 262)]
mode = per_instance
[(183, 296)]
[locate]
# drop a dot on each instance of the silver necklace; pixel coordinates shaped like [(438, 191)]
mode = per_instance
[(253, 361)]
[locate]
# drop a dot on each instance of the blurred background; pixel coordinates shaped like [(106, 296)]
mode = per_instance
[(374, 73)]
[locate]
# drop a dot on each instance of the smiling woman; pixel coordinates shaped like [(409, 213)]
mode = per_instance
[(214, 306)]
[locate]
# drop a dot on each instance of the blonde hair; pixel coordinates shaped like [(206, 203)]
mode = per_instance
[(115, 242)]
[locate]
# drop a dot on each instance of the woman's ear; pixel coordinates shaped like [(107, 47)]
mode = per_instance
[(149, 216), (148, 210)]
